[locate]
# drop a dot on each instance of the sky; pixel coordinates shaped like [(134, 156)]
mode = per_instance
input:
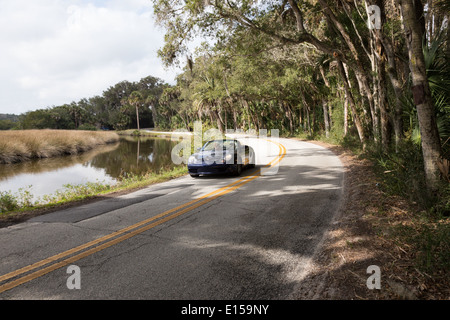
[(54, 52)]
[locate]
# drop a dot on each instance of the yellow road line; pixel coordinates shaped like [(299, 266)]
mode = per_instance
[(195, 203), (110, 243), (109, 236)]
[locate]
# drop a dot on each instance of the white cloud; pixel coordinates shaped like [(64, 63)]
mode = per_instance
[(54, 51)]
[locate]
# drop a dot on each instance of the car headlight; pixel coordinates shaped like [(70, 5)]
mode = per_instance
[(228, 158), (193, 160)]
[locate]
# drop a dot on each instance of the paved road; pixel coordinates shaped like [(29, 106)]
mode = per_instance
[(247, 237)]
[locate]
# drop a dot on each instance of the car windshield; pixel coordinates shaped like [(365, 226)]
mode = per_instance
[(219, 145)]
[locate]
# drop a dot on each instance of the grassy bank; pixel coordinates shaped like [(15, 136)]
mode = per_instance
[(16, 206), (22, 145)]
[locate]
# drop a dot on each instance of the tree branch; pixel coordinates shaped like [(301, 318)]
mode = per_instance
[(298, 16)]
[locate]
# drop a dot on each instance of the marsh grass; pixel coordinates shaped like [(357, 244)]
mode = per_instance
[(22, 145)]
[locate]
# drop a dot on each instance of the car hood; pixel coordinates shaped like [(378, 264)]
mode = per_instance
[(211, 155)]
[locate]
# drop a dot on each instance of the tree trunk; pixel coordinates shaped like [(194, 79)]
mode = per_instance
[(431, 146), (249, 115), (380, 60), (357, 66), (308, 119), (326, 118), (220, 122), (398, 92), (345, 115), (356, 119), (314, 116), (384, 107), (235, 119), (306, 108), (300, 118), (137, 117), (329, 115), (288, 113)]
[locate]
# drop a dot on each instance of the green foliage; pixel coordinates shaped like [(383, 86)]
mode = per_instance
[(76, 192), (11, 202), (402, 172), (39, 119), (8, 121), (7, 124), (114, 109), (437, 62), (433, 245), (8, 202), (87, 126)]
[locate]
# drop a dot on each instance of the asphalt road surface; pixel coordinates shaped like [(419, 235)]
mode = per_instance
[(247, 237)]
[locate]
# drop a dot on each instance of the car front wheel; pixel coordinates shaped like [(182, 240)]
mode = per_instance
[(238, 169)]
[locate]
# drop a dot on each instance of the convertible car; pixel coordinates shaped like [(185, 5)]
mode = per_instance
[(227, 156)]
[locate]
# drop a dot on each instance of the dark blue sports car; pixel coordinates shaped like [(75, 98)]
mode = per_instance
[(227, 156)]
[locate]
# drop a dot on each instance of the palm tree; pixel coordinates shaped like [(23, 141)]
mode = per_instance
[(135, 99)]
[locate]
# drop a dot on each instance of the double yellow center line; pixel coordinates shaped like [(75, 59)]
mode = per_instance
[(84, 250)]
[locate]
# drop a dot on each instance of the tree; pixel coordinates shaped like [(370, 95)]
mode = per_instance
[(431, 145), (151, 89), (37, 119), (282, 23), (136, 99)]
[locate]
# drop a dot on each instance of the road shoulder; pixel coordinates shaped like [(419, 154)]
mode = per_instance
[(360, 238)]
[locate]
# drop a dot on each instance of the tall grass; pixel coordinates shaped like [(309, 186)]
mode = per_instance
[(21, 145)]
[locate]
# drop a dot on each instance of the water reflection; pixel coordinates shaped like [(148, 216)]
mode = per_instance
[(136, 156), (104, 164)]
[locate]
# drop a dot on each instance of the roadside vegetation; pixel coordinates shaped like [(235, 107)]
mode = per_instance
[(15, 206), (409, 231)]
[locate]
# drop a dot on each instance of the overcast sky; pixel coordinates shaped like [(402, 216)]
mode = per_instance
[(58, 51)]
